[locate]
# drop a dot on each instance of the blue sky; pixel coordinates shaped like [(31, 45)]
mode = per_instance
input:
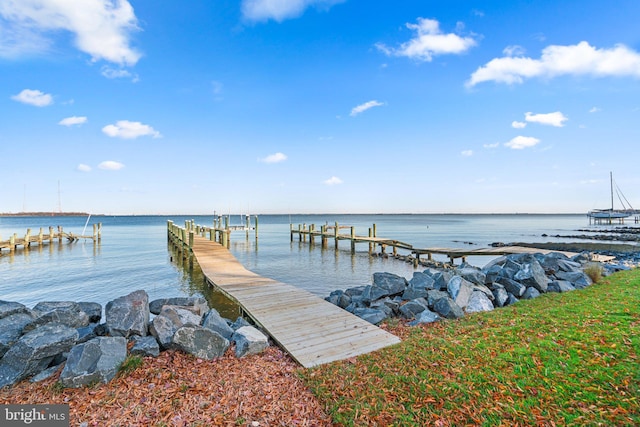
[(325, 106)]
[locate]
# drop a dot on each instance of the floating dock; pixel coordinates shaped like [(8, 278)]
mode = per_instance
[(312, 330)]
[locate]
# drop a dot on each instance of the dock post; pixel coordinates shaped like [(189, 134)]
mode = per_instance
[(256, 222), (375, 231), (323, 232), (312, 228), (336, 235), (353, 239), (300, 232), (212, 234), (59, 234), (40, 235), (370, 242), (99, 232), (50, 234), (291, 231), (191, 234), (12, 242)]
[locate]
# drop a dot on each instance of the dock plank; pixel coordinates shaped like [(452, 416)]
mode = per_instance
[(312, 330)]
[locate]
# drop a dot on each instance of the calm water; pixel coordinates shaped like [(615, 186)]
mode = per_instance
[(134, 253)]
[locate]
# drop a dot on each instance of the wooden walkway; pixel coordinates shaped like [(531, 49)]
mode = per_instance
[(333, 232), (312, 330), (40, 239)]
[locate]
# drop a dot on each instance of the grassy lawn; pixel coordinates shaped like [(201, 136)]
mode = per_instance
[(560, 359)]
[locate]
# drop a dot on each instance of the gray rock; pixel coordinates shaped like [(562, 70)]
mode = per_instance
[(199, 303), (239, 323), (412, 308), (510, 268), (128, 315), (33, 352), (441, 279), (97, 360), (382, 305), (512, 299), (392, 283), (356, 291), (181, 315), (86, 333), (68, 313), (372, 293), (11, 328), (433, 296), (421, 280), (578, 279), (472, 274), (8, 308), (46, 374), (560, 286), (531, 293), (212, 320), (447, 307), (500, 295), (371, 315), (532, 274), (163, 329), (249, 340), (145, 346), (93, 310), (460, 290), (413, 293), (426, 316), (513, 287), (479, 302), (491, 274), (200, 342)]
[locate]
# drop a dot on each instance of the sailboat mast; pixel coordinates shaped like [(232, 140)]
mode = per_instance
[(611, 180)]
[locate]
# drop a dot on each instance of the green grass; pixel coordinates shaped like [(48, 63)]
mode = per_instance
[(563, 359)]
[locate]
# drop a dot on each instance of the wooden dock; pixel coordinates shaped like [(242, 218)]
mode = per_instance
[(29, 239), (326, 232), (312, 330)]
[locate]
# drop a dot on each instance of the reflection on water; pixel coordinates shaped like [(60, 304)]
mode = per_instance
[(194, 282)]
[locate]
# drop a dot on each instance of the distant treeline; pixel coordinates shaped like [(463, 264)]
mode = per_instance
[(45, 214)]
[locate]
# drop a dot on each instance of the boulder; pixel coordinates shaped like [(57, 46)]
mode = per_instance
[(212, 320), (11, 328), (249, 340), (33, 352), (578, 279), (198, 303), (382, 305), (371, 293), (412, 308), (239, 323), (441, 279), (97, 360), (128, 315), (200, 342), (8, 308), (145, 346), (492, 273), (472, 274), (162, 329), (531, 293), (447, 307), (433, 296), (460, 290), (421, 280), (532, 275), (93, 310), (181, 315), (513, 287), (371, 315), (87, 333), (479, 301), (500, 295), (426, 316), (560, 286), (68, 313), (413, 293), (392, 283)]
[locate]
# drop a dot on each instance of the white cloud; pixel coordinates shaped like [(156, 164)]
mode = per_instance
[(101, 28), (579, 59), (429, 41), (73, 120), (83, 168), (279, 10), (119, 73), (110, 165), (467, 153), (521, 142), (518, 125), (595, 110), (364, 107), (130, 130), (556, 119), (495, 145), (334, 180), (274, 158), (514, 50), (33, 97)]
